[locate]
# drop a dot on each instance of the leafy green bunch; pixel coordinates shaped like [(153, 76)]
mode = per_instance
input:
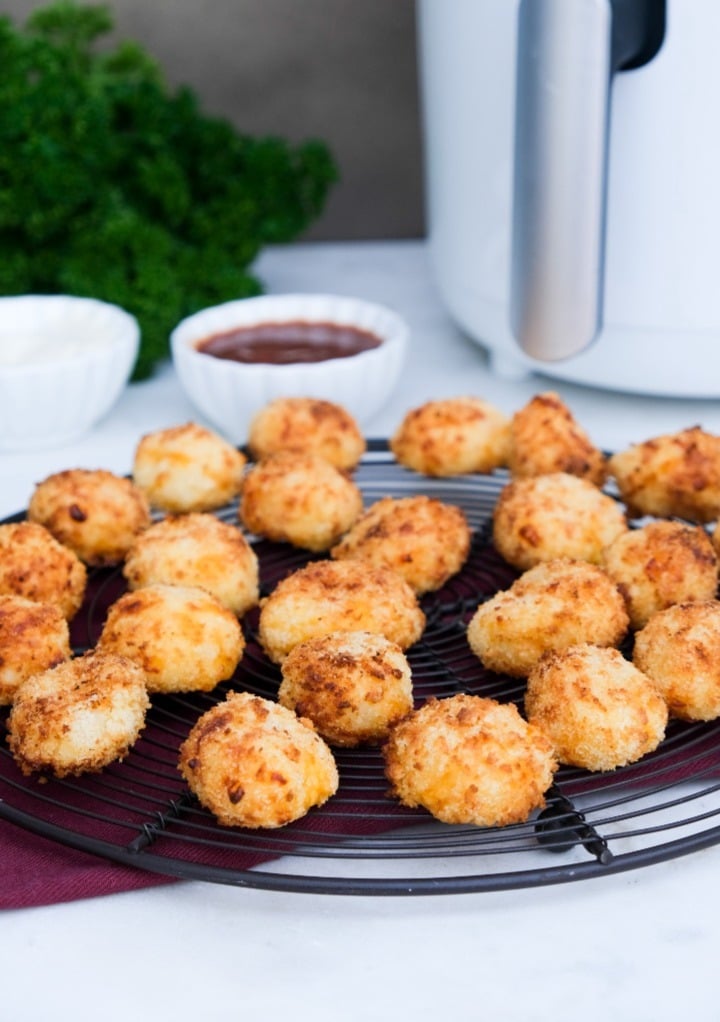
[(113, 186)]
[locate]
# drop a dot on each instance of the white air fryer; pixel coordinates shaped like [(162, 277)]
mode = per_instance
[(573, 185)]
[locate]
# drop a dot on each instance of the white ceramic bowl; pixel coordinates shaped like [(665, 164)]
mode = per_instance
[(229, 393), (63, 363)]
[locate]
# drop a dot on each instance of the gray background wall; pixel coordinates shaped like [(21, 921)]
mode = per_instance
[(340, 70)]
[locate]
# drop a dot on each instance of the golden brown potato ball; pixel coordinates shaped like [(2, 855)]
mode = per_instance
[(552, 606), (423, 539), (469, 760), (545, 438), (307, 424), (92, 511), (598, 710), (299, 498), (662, 563), (183, 637), (187, 468), (672, 475), (35, 565), (197, 549), (545, 517), (254, 763), (79, 716), (679, 649), (333, 596), (33, 638), (352, 685), (452, 436)]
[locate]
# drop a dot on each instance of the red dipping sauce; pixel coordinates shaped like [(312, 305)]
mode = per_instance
[(288, 343)]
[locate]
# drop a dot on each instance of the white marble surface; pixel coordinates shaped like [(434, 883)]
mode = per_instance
[(636, 946)]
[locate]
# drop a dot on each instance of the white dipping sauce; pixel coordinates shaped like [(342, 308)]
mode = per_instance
[(31, 347)]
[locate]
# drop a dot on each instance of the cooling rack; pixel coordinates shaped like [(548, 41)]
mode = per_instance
[(140, 813)]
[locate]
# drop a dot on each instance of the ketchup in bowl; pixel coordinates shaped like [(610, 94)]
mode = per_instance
[(286, 343)]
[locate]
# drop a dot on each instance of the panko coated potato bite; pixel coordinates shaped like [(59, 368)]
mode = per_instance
[(332, 596), (307, 424), (677, 474), (79, 716), (425, 540), (197, 549), (469, 760), (599, 711), (33, 638), (662, 563), (254, 763), (187, 468), (92, 511), (452, 436), (555, 605), (352, 685), (545, 437), (183, 637), (679, 648), (35, 565), (299, 498), (545, 517)]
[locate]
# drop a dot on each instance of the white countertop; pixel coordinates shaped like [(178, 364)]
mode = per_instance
[(635, 946)]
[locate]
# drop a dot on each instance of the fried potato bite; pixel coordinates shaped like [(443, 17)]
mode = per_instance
[(35, 565), (679, 649), (469, 760), (33, 638), (332, 596), (676, 474), (187, 468), (452, 436), (254, 763), (79, 716), (92, 511), (197, 549), (662, 563), (352, 685), (183, 637), (545, 517), (555, 605), (307, 424), (423, 539), (299, 498), (545, 437), (598, 710)]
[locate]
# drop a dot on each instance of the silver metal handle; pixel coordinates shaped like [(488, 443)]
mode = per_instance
[(561, 138)]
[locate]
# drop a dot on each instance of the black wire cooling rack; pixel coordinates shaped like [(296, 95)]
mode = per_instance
[(140, 813)]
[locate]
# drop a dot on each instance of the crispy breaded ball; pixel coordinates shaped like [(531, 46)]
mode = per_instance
[(598, 710), (187, 468), (183, 637), (545, 517), (92, 511), (472, 760), (679, 649), (423, 539), (197, 549), (35, 565), (352, 685), (307, 424), (33, 637), (545, 437), (662, 563), (299, 498), (79, 716), (452, 436), (254, 763), (552, 606), (332, 596), (676, 474)]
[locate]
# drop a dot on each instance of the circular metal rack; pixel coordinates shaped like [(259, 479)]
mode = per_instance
[(140, 813)]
